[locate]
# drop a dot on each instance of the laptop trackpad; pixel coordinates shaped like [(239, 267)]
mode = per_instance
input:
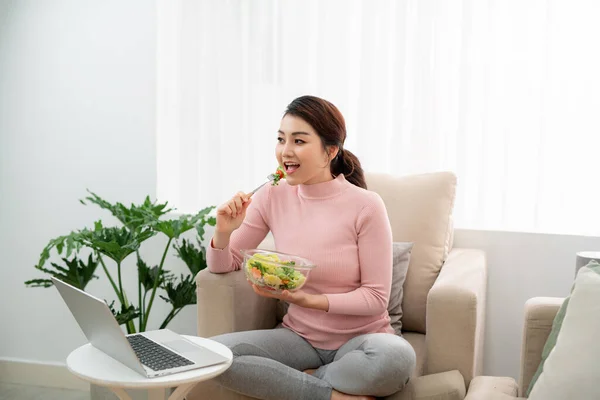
[(181, 346)]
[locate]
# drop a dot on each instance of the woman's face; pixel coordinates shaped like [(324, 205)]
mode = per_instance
[(300, 152)]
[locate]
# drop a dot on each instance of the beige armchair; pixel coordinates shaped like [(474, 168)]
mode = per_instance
[(539, 316), (443, 303)]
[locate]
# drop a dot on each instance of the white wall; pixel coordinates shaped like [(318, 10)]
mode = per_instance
[(77, 109)]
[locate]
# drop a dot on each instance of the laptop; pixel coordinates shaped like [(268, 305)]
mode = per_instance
[(154, 353)]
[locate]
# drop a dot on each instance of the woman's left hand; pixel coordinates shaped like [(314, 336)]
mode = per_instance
[(297, 297)]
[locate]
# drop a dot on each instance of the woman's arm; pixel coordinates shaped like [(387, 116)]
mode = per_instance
[(248, 236), (375, 260)]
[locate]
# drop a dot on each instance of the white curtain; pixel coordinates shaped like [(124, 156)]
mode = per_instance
[(505, 93)]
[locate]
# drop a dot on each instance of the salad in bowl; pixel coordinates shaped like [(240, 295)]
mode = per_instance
[(275, 271)]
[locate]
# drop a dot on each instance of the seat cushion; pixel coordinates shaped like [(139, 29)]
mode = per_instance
[(449, 385), (420, 211), (493, 388), (417, 341)]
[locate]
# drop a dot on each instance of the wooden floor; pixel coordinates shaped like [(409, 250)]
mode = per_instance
[(9, 391)]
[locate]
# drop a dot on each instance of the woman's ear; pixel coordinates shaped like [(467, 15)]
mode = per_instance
[(333, 152)]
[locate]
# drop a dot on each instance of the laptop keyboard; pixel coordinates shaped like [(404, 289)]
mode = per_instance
[(155, 356)]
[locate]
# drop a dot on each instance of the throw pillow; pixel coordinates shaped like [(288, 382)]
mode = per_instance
[(401, 259), (570, 368)]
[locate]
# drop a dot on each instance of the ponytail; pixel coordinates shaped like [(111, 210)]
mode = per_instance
[(348, 164)]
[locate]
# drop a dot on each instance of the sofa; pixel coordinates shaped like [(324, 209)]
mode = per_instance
[(538, 318), (443, 301)]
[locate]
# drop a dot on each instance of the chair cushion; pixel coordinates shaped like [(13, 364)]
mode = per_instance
[(420, 211), (417, 341), (492, 388), (449, 385)]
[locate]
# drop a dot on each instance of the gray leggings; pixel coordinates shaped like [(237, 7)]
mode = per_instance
[(268, 365)]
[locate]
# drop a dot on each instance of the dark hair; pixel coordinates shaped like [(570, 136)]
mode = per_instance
[(329, 124)]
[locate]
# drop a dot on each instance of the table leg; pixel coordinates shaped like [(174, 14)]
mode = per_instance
[(121, 393), (156, 394), (182, 391)]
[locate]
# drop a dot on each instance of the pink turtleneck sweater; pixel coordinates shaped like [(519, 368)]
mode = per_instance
[(346, 232)]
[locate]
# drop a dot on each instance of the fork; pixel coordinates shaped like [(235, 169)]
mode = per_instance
[(270, 178)]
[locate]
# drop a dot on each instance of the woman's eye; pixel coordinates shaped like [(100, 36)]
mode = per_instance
[(299, 141), (280, 140)]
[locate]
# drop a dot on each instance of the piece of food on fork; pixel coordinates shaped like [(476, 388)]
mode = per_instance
[(274, 178), (278, 175)]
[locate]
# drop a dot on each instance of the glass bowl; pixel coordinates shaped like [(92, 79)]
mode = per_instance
[(272, 270)]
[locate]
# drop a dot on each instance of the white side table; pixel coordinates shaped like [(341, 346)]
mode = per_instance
[(94, 366)]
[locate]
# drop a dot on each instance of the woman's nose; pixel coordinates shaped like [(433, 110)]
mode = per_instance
[(287, 150)]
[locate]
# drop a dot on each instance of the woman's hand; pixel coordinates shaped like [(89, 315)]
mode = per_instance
[(231, 214), (298, 297)]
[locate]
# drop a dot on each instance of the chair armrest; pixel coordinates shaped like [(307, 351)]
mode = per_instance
[(539, 316), (456, 315), (227, 303)]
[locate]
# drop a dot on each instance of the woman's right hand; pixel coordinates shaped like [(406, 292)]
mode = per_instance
[(231, 214)]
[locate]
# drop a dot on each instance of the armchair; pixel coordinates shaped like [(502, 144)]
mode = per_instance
[(443, 303)]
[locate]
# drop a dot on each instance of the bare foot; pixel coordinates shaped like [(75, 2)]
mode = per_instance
[(309, 371), (335, 395)]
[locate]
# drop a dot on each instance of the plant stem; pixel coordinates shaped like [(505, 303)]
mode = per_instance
[(170, 317), (130, 325), (112, 282), (160, 267), (141, 305), (120, 294), (121, 284)]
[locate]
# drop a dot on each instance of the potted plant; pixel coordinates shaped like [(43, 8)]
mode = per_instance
[(84, 251)]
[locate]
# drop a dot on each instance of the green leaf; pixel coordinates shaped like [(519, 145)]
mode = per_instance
[(135, 216), (46, 283), (147, 275), (194, 257), (182, 293), (115, 243), (72, 244), (200, 230), (125, 315), (205, 211), (76, 273), (174, 228), (58, 242)]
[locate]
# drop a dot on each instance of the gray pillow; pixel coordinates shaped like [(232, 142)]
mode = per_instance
[(401, 258)]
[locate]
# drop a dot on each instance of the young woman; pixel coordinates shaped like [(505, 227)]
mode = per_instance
[(336, 341)]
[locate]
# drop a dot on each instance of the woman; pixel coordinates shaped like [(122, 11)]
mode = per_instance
[(336, 341)]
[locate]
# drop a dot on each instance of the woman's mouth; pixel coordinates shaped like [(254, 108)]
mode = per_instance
[(290, 167)]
